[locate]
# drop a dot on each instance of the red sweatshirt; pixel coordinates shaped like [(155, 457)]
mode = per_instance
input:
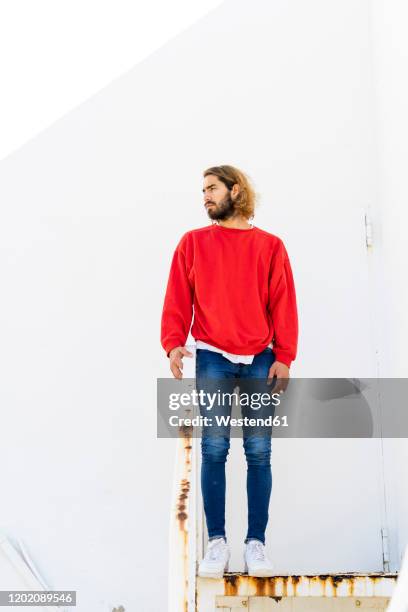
[(241, 286)]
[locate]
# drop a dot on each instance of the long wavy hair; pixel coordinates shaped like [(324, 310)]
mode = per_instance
[(246, 200)]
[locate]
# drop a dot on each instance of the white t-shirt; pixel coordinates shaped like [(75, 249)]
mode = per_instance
[(231, 356)]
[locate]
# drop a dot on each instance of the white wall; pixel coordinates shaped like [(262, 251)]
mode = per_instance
[(389, 20), (390, 59), (92, 210)]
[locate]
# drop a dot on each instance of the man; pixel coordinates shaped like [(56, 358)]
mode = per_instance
[(239, 280)]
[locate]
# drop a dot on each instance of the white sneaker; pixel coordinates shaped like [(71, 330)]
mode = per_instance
[(216, 559), (256, 561)]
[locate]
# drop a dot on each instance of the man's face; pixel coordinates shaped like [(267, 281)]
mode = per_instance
[(217, 198)]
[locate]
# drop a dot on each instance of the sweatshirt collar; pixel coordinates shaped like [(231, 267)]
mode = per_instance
[(232, 229)]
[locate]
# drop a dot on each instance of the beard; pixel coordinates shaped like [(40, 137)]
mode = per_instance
[(223, 210)]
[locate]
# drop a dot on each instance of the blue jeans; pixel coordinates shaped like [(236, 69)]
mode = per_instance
[(214, 448)]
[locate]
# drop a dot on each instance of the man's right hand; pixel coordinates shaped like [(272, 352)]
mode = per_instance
[(176, 360)]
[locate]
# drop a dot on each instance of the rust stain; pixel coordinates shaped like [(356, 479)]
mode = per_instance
[(182, 503), (185, 431), (231, 584), (277, 587), (181, 508), (261, 586)]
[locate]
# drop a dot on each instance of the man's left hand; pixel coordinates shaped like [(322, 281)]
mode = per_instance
[(281, 371)]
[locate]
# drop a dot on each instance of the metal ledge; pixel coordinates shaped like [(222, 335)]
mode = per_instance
[(324, 585)]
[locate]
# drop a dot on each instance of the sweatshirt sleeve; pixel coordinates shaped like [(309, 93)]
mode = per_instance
[(178, 302), (282, 307)]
